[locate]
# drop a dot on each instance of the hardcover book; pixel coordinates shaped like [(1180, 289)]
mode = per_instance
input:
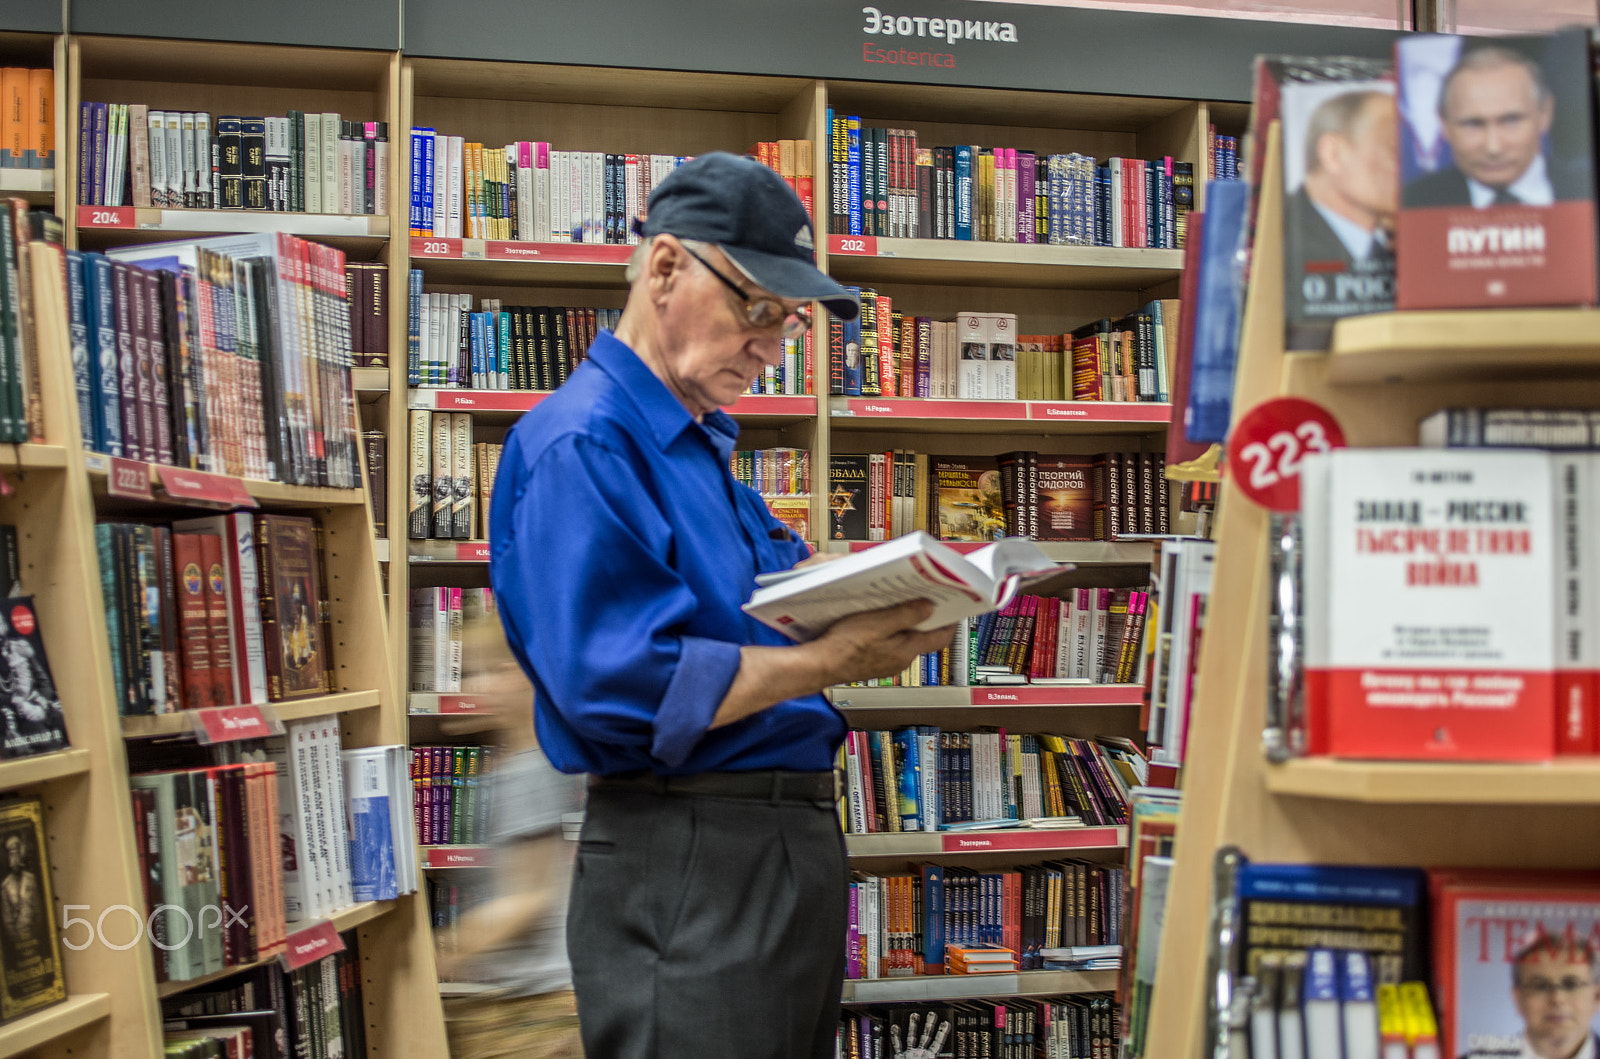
[(30, 952), (31, 707), (1339, 195), (849, 501), (969, 501), (1066, 498), (1502, 219), (286, 552)]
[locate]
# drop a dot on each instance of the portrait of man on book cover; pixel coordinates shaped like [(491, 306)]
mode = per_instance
[(1553, 984), (1498, 179), (1340, 185)]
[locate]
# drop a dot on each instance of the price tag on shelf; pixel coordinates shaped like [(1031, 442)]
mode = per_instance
[(1270, 441), (853, 245), (128, 479), (310, 944), (459, 704), (105, 216), (220, 489), (428, 246), (472, 552), (226, 724)]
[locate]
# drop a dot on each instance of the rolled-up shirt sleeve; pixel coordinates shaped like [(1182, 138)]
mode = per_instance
[(591, 602)]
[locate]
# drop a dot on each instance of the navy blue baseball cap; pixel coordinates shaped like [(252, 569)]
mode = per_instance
[(755, 218)]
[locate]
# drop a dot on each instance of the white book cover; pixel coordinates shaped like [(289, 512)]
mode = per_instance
[(541, 192), (370, 810), (117, 159), (560, 229), (294, 812), (156, 122), (191, 175), (453, 657), (338, 803), (453, 183), (1189, 591), (525, 193), (446, 186), (420, 624), (1099, 626), (330, 162), (347, 175), (1358, 1006), (1115, 203), (176, 180), (972, 369), (205, 159), (439, 637), (1322, 1018), (380, 177), (436, 327), (581, 196), (311, 163), (1000, 331), (852, 770), (1455, 549), (1083, 612)]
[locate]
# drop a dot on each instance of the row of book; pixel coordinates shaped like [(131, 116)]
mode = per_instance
[(773, 472), (232, 854), (880, 496), (1222, 155), (21, 410), (448, 806), (270, 1013), (214, 611), (441, 620), (905, 923), (452, 895), (883, 183), (1152, 833), (514, 347), (1483, 564), (925, 779), (451, 477), (1073, 1027), (131, 155), (1179, 594), (527, 191), (229, 355), (27, 118)]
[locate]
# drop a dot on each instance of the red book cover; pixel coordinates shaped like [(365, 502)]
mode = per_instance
[(216, 593), (194, 620), (1497, 202), (1066, 498)]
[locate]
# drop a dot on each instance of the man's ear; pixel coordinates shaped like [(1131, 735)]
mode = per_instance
[(665, 259)]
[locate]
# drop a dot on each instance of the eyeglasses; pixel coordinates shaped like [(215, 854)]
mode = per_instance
[(762, 313), (1545, 988)]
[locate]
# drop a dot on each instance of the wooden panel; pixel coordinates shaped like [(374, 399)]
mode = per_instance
[(228, 98), (1179, 134), (245, 65), (1043, 110), (609, 87)]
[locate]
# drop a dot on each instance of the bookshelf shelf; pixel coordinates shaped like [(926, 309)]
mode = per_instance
[(322, 226), (465, 989), (38, 186), (868, 259), (446, 858), (27, 771), (429, 704), (183, 721), (369, 381), (447, 551), (1018, 840), (276, 494), (1101, 553), (1436, 346), (1574, 781), (480, 261), (58, 1020), (921, 988), (757, 409), (1012, 418), (1041, 697), (342, 920), (28, 456)]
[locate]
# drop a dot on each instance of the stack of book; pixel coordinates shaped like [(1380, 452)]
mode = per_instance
[(229, 355), (1083, 1025), (926, 779), (527, 191), (513, 347), (885, 184), (270, 1013), (447, 806), (980, 959), (905, 924), (215, 611), (130, 155), (28, 118), (451, 477), (1222, 155), (882, 495)]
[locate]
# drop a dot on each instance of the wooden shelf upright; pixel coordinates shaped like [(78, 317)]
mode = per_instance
[(1317, 811)]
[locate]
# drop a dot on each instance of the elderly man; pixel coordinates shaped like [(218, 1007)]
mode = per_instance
[(1495, 110), (708, 907)]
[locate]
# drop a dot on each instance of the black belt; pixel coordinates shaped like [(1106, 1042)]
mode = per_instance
[(765, 785)]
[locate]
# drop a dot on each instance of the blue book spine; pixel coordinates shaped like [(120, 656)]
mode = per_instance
[(102, 327), (852, 337), (491, 353), (475, 348), (933, 915), (417, 227), (414, 328), (1216, 334), (78, 331), (963, 194), (108, 597), (425, 221), (503, 363), (853, 163), (908, 751)]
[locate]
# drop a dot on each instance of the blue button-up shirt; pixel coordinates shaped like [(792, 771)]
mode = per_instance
[(621, 549)]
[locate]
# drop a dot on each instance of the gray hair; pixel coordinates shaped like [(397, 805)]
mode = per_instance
[(1336, 116), (636, 259), (1487, 58)]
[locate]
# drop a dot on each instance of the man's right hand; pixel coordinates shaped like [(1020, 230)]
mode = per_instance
[(879, 643)]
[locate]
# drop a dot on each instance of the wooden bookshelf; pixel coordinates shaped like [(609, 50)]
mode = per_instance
[(54, 1023), (1442, 346), (275, 494), (43, 768), (853, 258), (1014, 841), (1324, 811), (184, 721)]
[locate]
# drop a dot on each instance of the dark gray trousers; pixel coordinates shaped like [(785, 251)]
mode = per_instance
[(708, 927)]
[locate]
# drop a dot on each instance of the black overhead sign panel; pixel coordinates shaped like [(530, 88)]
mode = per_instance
[(371, 24), (956, 42), (30, 16)]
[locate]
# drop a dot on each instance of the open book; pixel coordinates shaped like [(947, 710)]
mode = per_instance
[(802, 603)]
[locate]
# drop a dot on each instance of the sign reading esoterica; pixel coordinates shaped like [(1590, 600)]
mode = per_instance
[(940, 30)]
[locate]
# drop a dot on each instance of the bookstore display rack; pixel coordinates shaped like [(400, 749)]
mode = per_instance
[(1383, 374), (55, 492)]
